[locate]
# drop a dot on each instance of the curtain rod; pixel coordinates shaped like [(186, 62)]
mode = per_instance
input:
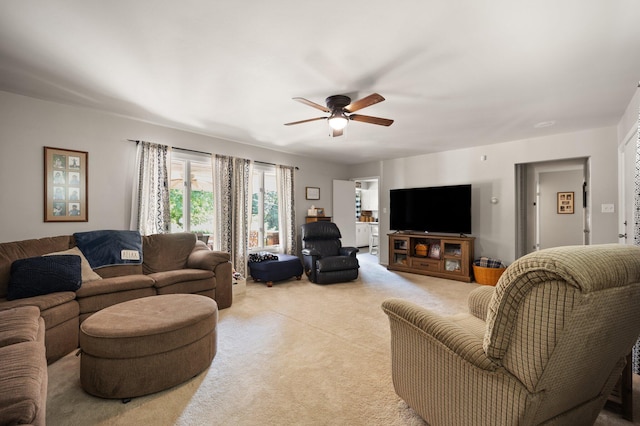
[(175, 147), (272, 164), (208, 153)]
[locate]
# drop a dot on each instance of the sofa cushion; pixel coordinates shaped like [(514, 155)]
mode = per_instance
[(19, 325), (87, 273), (35, 276), (24, 382), (163, 279), (42, 302), (114, 285), (166, 252)]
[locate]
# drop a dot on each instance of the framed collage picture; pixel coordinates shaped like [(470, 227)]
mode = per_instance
[(565, 202), (65, 185)]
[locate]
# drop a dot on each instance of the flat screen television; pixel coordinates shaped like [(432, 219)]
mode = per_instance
[(444, 209)]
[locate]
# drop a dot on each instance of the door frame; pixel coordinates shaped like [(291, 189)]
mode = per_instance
[(625, 222), (527, 223)]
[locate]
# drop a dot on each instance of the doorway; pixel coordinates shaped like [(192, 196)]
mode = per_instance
[(553, 207)]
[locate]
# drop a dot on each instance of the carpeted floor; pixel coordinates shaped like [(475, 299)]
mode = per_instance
[(294, 354)]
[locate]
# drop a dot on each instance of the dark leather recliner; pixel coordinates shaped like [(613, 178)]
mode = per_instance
[(325, 260)]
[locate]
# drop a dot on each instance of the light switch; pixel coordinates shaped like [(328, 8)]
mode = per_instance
[(607, 208)]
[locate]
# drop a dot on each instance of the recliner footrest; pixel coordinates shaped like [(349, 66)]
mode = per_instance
[(336, 263)]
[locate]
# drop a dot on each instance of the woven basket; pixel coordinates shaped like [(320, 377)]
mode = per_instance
[(487, 276)]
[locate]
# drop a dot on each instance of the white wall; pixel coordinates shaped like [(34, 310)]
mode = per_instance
[(494, 224), (27, 125), (629, 121)]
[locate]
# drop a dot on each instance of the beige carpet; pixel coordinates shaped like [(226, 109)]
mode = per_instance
[(294, 354)]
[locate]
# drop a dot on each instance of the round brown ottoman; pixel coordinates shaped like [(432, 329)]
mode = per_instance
[(147, 345)]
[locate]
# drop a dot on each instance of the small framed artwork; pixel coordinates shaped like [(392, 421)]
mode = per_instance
[(319, 211), (434, 251), (65, 185), (312, 193), (565, 202)]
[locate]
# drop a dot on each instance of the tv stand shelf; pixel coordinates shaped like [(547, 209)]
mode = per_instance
[(437, 255)]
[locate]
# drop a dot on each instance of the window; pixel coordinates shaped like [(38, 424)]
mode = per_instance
[(264, 232), (191, 192)]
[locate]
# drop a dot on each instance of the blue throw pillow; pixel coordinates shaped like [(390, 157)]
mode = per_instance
[(35, 276)]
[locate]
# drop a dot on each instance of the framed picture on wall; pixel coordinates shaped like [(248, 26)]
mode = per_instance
[(312, 193), (565, 202), (65, 185)]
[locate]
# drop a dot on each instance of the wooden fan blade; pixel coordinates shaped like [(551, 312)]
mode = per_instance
[(305, 121), (372, 120), (312, 104), (364, 102), (336, 133)]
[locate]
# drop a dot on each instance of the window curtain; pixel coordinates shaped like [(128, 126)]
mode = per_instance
[(241, 213), (150, 212), (222, 194), (635, 353), (232, 177), (286, 210)]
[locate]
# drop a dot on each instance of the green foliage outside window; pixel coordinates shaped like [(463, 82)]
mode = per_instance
[(270, 209), (201, 209)]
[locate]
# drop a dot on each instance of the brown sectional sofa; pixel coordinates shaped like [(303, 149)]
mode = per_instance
[(23, 370), (172, 263)]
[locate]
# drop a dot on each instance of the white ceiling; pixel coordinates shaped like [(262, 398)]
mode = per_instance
[(455, 73)]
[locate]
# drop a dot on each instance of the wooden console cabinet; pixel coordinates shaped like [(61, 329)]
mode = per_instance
[(437, 255), (318, 219)]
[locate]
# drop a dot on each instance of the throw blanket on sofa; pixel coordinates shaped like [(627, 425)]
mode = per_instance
[(107, 248)]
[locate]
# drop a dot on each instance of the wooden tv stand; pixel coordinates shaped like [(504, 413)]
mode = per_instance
[(446, 256)]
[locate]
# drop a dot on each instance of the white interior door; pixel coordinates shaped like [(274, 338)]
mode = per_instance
[(344, 210)]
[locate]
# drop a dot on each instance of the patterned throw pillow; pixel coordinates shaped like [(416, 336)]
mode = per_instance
[(262, 257), (87, 273)]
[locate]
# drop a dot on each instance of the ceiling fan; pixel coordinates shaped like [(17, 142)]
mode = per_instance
[(341, 109)]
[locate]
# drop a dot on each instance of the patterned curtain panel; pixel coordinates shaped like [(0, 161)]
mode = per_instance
[(636, 235), (232, 209), (241, 214), (286, 210), (222, 194), (150, 212)]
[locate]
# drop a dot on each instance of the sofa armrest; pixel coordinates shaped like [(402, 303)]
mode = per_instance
[(421, 326), (349, 251), (309, 258), (478, 301), (203, 258), (224, 284)]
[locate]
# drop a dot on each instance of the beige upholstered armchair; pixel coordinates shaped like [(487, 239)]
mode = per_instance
[(545, 346)]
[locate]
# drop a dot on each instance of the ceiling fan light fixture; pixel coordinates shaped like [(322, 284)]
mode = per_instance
[(338, 120)]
